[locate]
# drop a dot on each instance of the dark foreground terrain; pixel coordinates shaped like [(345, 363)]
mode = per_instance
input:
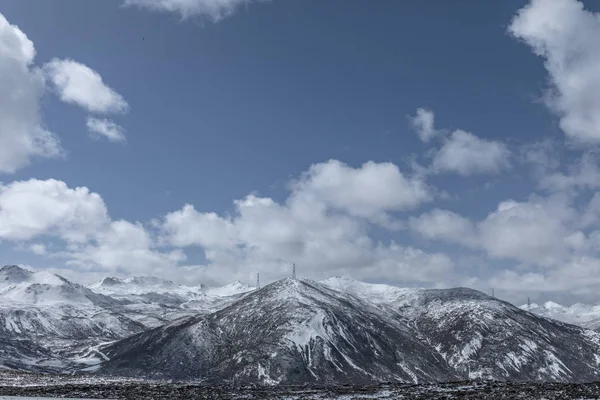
[(32, 385)]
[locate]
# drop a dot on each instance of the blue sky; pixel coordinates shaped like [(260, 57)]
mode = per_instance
[(289, 128)]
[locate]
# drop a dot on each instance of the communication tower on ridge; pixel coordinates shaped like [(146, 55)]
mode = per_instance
[(294, 271), (528, 304), (257, 280)]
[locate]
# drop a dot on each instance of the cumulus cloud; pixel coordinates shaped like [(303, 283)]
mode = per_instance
[(535, 231), (22, 134), (424, 124), (444, 225), (107, 128), (78, 84), (582, 174), (123, 246), (541, 231), (322, 227), (214, 10), (461, 152), (32, 208), (566, 36), (466, 154), (369, 191), (579, 276), (187, 227)]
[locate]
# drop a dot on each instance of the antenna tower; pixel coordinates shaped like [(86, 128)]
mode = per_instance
[(493, 292), (528, 304), (294, 271), (257, 280)]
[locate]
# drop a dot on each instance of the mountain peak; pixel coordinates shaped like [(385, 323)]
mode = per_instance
[(110, 281), (12, 274)]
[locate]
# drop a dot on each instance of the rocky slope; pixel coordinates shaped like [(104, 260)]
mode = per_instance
[(337, 331)]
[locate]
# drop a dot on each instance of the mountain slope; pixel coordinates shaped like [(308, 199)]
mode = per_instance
[(291, 331), (296, 331), (487, 338)]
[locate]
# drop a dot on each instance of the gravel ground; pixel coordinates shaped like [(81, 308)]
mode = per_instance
[(32, 385)]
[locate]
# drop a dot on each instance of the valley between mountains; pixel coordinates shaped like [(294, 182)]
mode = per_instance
[(292, 331)]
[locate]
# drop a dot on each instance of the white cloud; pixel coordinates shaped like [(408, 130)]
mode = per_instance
[(566, 36), (323, 233), (188, 227), (370, 191), (544, 235), (444, 225), (582, 174), (22, 134), (214, 10), (541, 231), (424, 124), (467, 154), (106, 128), (78, 84), (32, 208), (38, 249), (123, 246), (579, 276), (535, 231), (322, 227), (542, 156)]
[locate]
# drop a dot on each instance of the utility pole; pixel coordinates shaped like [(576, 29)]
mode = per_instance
[(528, 304), (493, 292), (294, 271), (257, 280)]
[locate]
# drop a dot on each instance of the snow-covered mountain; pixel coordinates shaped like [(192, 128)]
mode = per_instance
[(153, 301), (584, 315), (296, 331), (18, 285), (46, 321), (232, 289), (292, 331)]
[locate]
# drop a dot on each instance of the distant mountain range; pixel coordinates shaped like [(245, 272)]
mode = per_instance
[(585, 315), (50, 324), (289, 332)]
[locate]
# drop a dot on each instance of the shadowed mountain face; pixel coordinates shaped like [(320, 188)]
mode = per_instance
[(297, 331)]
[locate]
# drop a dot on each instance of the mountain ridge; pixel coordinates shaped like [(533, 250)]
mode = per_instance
[(321, 335)]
